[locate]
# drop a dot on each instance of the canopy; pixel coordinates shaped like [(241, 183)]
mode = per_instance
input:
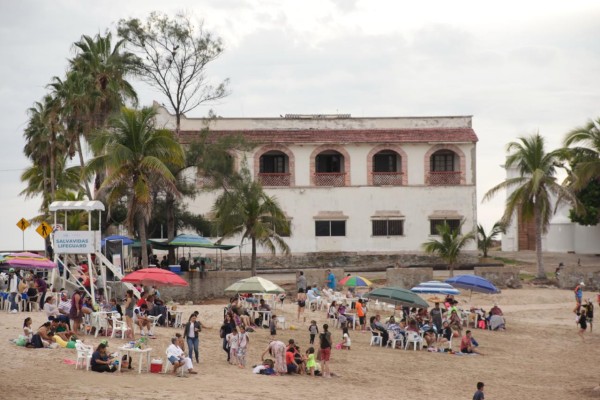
[(27, 260), (154, 277), (255, 284), (77, 205), (435, 287), (356, 281), (197, 241), (396, 295), (474, 283), (126, 241)]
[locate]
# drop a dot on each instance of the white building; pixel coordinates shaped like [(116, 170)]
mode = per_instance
[(562, 236), (355, 184)]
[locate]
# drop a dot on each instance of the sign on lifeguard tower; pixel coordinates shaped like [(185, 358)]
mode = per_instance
[(44, 229), (23, 224)]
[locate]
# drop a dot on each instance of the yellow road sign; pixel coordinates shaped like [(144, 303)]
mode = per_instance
[(44, 230), (23, 224)]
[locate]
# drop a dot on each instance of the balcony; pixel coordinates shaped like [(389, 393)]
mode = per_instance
[(444, 178), (330, 179), (274, 179), (387, 178)]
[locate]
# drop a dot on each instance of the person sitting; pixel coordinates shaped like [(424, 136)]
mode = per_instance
[(44, 334), (313, 299), (455, 321), (468, 344), (177, 357), (52, 311), (496, 310), (141, 319), (100, 361), (332, 312), (378, 329), (27, 331), (298, 357), (399, 332), (290, 361)]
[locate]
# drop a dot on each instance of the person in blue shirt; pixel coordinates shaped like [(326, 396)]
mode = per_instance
[(331, 283)]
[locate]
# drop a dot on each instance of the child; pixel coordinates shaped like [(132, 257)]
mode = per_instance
[(314, 331), (233, 341), (582, 323), (346, 343), (268, 368), (243, 341), (273, 325), (310, 361)]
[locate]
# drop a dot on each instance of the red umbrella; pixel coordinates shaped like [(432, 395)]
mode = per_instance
[(154, 277)]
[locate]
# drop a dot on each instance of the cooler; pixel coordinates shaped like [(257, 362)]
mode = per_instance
[(156, 366), (176, 269)]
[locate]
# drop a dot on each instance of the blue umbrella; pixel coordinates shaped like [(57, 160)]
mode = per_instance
[(126, 241), (435, 287), (473, 283)]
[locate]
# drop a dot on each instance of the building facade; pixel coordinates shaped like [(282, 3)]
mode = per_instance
[(366, 185)]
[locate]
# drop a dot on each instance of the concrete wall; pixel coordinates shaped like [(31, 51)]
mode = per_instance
[(319, 276), (501, 277), (213, 285), (571, 276), (408, 277)]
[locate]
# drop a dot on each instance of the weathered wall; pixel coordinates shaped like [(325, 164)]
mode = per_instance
[(212, 285), (571, 276), (319, 276), (408, 277), (501, 277)]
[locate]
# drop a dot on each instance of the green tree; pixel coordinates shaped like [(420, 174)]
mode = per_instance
[(535, 189), (135, 155), (484, 240), (587, 167), (449, 245), (245, 209)]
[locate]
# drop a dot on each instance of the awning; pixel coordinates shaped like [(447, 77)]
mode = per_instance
[(77, 205)]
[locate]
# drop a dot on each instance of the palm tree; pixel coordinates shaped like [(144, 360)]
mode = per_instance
[(484, 240), (450, 244), (589, 167), (245, 209), (134, 155), (535, 189)]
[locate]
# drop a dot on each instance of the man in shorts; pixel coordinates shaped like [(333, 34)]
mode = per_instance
[(468, 344)]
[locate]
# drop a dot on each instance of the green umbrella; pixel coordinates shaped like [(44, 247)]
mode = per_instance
[(396, 295), (255, 284)]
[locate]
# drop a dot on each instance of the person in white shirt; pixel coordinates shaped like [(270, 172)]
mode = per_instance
[(13, 289), (177, 357)]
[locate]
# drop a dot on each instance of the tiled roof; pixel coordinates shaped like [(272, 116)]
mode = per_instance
[(436, 135)]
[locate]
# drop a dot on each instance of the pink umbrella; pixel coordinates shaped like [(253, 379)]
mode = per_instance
[(28, 260), (154, 277)]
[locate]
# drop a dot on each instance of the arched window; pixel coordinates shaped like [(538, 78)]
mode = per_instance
[(329, 169), (444, 168), (274, 169), (387, 168)]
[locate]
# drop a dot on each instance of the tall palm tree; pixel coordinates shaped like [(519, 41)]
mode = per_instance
[(450, 244), (134, 155), (589, 167), (245, 209), (484, 240), (535, 189)]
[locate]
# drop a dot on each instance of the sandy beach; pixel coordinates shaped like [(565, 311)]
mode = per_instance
[(539, 356)]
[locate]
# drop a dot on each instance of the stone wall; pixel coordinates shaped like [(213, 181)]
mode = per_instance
[(212, 285), (364, 261), (319, 276), (501, 277), (572, 276), (408, 277)]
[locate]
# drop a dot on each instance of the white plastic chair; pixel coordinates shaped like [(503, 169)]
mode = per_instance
[(392, 340), (376, 338), (281, 322), (415, 339), (84, 355), (168, 367), (119, 326), (154, 321)]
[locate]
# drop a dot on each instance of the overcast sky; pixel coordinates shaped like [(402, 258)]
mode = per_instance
[(518, 67)]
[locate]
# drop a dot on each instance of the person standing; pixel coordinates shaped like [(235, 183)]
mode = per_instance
[(276, 349), (436, 317), (243, 341), (190, 333), (582, 322), (13, 289), (227, 328), (578, 296), (325, 345), (129, 306), (42, 287), (301, 299), (331, 283), (479, 392), (589, 312), (301, 281)]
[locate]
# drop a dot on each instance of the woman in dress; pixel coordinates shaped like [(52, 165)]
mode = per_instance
[(276, 349), (76, 312), (301, 298)]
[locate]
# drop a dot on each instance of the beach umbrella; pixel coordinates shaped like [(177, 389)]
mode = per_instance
[(397, 296), (355, 281), (28, 260), (126, 241), (435, 287), (191, 241), (473, 283), (154, 277), (255, 284)]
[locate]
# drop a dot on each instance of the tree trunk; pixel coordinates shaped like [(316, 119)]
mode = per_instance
[(451, 267), (253, 260), (538, 242), (82, 163), (144, 248), (52, 167), (170, 206)]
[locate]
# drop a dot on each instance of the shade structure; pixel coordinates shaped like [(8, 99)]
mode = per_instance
[(396, 295), (255, 284), (197, 241), (126, 241), (435, 287), (355, 281), (27, 260), (154, 277), (474, 283)]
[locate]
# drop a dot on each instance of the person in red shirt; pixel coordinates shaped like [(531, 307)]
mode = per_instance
[(142, 299), (468, 344)]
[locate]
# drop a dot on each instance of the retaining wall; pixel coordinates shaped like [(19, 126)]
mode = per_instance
[(571, 276), (501, 277), (408, 277), (212, 285)]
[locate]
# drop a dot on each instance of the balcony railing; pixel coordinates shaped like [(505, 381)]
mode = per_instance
[(444, 178), (274, 179), (387, 178), (330, 179)]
